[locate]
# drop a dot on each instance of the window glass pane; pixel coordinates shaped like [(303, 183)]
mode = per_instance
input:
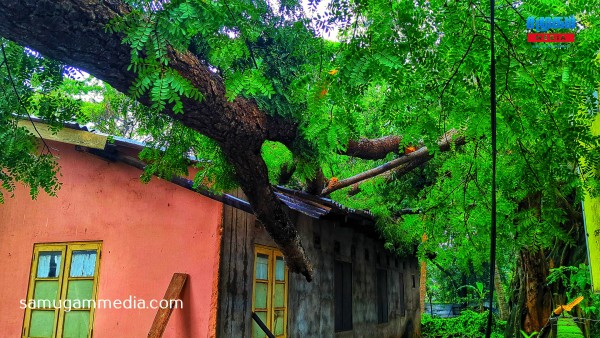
[(279, 269), (83, 263), (279, 322), (42, 323), (262, 266), (76, 324), (49, 264), (260, 296), (45, 290), (80, 289), (279, 295), (257, 332)]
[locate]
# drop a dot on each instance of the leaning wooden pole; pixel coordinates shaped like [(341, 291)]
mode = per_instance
[(423, 281), (163, 314)]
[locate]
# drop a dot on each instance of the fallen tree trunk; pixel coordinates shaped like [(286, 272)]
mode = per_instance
[(73, 32)]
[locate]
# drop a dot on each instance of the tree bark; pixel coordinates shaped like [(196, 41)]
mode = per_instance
[(500, 294), (423, 280), (373, 149), (423, 285), (532, 301)]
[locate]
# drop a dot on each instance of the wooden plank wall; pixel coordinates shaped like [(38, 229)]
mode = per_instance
[(235, 274), (311, 305)]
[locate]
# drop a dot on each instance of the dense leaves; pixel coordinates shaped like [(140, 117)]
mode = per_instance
[(468, 324), (29, 85)]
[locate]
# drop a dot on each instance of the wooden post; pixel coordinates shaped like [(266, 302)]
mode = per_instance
[(162, 315), (423, 281)]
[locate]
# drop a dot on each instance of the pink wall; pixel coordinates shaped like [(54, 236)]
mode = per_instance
[(148, 232)]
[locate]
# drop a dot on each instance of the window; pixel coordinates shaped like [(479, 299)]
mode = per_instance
[(343, 296), (382, 296), (270, 292), (62, 286)]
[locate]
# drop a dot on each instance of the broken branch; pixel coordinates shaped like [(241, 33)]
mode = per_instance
[(373, 149), (409, 162)]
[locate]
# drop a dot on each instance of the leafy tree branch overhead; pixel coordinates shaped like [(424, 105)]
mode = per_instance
[(76, 34)]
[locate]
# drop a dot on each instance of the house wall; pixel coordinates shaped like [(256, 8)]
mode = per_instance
[(311, 305), (148, 232)]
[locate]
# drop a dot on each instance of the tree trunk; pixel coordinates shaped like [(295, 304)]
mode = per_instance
[(531, 302), (423, 285), (502, 306)]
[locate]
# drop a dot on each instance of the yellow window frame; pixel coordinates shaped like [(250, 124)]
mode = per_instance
[(66, 250), (272, 254)]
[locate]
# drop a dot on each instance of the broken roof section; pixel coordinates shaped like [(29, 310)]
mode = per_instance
[(120, 149)]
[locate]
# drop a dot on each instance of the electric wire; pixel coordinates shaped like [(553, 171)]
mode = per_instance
[(488, 331)]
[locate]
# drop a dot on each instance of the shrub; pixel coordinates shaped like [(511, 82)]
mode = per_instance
[(469, 324)]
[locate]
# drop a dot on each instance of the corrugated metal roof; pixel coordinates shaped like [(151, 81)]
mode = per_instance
[(321, 207), (301, 206)]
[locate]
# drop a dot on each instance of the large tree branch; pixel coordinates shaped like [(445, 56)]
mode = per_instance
[(373, 149), (73, 32), (404, 163), (421, 154)]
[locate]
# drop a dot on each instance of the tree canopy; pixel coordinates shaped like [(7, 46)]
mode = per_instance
[(256, 89)]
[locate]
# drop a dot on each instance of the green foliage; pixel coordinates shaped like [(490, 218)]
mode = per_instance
[(30, 87), (575, 280), (525, 335), (152, 35), (111, 112), (479, 292), (566, 327), (22, 163), (546, 104), (177, 147), (55, 107), (468, 325), (250, 83), (278, 158)]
